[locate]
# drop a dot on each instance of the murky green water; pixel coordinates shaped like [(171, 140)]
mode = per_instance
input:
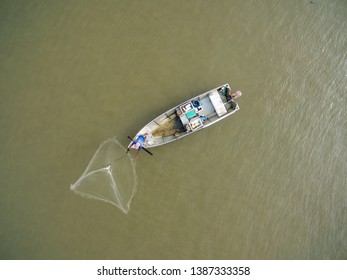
[(268, 183)]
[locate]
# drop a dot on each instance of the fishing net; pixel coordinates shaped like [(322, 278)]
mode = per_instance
[(110, 176)]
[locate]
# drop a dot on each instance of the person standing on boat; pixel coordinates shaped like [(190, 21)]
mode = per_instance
[(137, 144)]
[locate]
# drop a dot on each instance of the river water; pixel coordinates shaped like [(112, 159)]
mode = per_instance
[(270, 182)]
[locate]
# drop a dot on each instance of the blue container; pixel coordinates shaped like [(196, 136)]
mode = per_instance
[(196, 103)]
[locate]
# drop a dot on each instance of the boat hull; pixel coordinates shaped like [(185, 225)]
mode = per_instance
[(190, 116)]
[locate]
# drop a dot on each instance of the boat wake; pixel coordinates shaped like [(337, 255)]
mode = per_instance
[(110, 176)]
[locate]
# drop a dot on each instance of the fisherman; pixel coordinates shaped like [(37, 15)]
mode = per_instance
[(138, 143)]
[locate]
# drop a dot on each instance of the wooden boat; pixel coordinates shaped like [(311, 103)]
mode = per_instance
[(190, 116)]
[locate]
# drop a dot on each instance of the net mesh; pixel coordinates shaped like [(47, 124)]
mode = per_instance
[(110, 176)]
